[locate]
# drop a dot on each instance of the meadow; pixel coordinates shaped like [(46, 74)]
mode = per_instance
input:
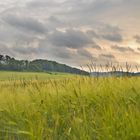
[(54, 106)]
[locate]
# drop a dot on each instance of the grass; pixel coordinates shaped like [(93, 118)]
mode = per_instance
[(4, 75), (69, 108)]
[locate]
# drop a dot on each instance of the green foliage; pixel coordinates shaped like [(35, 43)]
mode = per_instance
[(70, 108), (11, 64)]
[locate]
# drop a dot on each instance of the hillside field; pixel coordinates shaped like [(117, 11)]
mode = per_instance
[(55, 106)]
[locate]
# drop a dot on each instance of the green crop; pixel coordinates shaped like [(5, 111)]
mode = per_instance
[(68, 107)]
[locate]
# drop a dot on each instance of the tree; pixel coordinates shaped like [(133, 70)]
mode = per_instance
[(8, 58), (1, 57)]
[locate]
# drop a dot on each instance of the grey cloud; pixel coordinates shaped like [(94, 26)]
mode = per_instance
[(42, 3), (107, 32), (70, 39), (110, 56), (10, 35), (88, 7), (122, 48), (25, 23), (98, 7), (25, 50), (54, 22), (113, 37), (4, 49), (92, 10), (111, 33), (96, 46), (22, 38), (73, 11), (54, 52), (137, 38), (20, 50), (84, 53), (63, 53), (92, 33), (37, 3), (110, 29), (104, 59)]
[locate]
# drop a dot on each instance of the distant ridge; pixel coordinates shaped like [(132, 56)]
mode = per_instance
[(114, 73), (8, 63)]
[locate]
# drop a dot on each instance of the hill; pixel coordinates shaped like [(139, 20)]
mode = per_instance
[(8, 63), (114, 73)]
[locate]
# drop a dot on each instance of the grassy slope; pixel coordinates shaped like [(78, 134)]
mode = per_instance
[(76, 108), (31, 75)]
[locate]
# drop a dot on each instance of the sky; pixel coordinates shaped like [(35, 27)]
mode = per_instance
[(74, 32)]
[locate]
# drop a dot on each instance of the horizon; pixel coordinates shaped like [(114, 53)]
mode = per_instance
[(71, 32), (91, 67)]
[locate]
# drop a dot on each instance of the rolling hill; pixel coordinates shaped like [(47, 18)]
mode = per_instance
[(8, 63)]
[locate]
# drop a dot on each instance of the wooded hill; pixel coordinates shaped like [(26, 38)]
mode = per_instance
[(8, 63)]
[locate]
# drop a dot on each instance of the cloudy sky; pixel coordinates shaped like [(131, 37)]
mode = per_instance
[(71, 31)]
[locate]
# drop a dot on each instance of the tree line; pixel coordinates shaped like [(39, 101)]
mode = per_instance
[(8, 63)]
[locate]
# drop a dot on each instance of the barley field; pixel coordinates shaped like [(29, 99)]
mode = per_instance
[(54, 106)]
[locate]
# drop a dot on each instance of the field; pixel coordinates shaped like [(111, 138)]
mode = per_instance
[(44, 106)]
